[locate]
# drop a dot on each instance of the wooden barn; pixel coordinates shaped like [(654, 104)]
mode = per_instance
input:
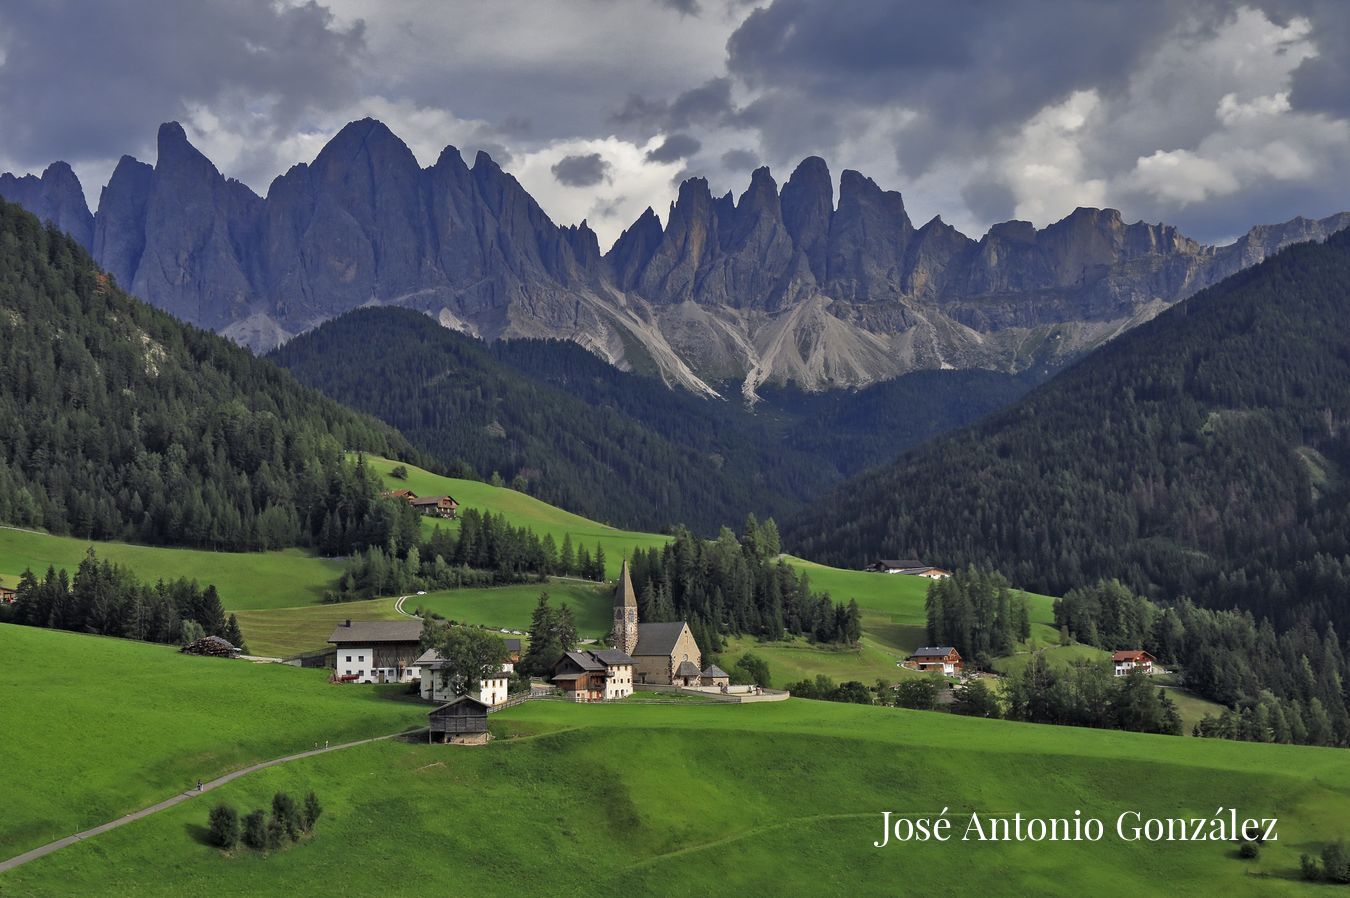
[(462, 720), (437, 506)]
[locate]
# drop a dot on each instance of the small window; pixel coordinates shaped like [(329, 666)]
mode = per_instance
[(349, 659)]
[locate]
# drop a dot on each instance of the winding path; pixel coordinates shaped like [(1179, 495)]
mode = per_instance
[(179, 799)]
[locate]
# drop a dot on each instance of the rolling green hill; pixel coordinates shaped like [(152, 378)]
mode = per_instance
[(702, 799), (245, 580), (92, 727)]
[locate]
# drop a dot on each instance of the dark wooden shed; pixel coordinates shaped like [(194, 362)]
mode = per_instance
[(462, 717)]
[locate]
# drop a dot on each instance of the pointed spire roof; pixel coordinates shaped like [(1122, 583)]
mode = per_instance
[(625, 597)]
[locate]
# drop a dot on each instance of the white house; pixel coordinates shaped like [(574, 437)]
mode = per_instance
[(376, 651), (596, 675), (491, 691), (1132, 659)]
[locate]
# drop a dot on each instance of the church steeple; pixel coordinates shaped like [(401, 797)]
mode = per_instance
[(625, 613)]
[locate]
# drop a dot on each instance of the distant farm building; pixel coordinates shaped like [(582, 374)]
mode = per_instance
[(211, 646), (599, 675), (8, 596), (491, 690), (909, 566), (1129, 660), (405, 494), (944, 659), (463, 719), (383, 651), (436, 506)]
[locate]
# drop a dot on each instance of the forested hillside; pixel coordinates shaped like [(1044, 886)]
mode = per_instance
[(1204, 454), (565, 426), (119, 422)]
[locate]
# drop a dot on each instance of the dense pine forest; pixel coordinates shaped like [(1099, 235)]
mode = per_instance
[(737, 585), (119, 422), (560, 423), (1203, 454)]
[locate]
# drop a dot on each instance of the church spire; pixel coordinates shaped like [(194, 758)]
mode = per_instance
[(625, 613)]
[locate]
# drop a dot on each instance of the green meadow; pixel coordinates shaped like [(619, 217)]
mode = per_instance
[(284, 632), (92, 728), (510, 607), (522, 511), (245, 580), (706, 799)]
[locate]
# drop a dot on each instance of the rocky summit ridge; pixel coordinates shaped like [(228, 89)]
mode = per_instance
[(780, 284)]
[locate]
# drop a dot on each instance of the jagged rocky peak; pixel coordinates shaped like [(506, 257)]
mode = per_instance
[(808, 205), (56, 196)]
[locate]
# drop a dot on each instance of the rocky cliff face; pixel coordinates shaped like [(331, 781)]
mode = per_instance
[(776, 285)]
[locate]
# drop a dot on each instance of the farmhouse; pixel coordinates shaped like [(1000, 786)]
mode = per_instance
[(8, 596), (436, 506), (406, 495), (1129, 660), (382, 651), (664, 654), (598, 675), (909, 566), (941, 658), (463, 719), (492, 690)]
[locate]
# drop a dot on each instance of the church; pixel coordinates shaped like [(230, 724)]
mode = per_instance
[(664, 654)]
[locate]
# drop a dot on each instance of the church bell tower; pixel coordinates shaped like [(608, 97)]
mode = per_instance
[(625, 614)]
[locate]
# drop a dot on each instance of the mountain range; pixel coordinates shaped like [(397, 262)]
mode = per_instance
[(1204, 454), (777, 286)]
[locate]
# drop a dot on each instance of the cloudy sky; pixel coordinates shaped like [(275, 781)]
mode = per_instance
[(1210, 114)]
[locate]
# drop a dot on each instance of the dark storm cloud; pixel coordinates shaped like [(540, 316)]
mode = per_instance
[(977, 65), (581, 171), (674, 148), (708, 104), (740, 160), (95, 79)]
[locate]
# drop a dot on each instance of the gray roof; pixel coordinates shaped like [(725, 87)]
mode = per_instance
[(512, 645), (369, 631), (715, 671), (902, 563), (612, 657), (933, 650), (458, 700), (658, 639), (585, 661), (687, 669)]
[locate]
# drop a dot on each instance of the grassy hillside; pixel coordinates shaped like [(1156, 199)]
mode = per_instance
[(522, 511), (282, 632), (753, 800), (245, 580), (91, 728)]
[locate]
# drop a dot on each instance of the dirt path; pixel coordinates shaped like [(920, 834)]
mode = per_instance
[(179, 799)]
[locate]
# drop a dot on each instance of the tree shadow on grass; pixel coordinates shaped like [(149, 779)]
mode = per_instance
[(198, 833)]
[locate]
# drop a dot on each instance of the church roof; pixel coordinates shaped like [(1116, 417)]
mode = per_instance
[(658, 639), (687, 669), (715, 671), (625, 596)]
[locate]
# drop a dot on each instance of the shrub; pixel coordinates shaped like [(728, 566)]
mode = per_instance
[(399, 472), (276, 833), (224, 826), (312, 811), (1249, 851), (1308, 868), (1336, 862), (287, 815), (255, 830)]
